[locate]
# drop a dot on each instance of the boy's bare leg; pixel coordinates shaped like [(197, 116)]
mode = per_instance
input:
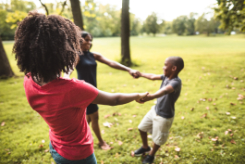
[(154, 150), (144, 139)]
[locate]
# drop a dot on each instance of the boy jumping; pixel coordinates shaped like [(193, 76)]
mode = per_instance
[(159, 119)]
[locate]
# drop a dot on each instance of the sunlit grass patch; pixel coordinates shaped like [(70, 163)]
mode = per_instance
[(213, 77)]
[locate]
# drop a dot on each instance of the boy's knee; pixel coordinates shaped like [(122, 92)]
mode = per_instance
[(160, 139)]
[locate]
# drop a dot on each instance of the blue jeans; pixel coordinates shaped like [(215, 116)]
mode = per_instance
[(61, 160)]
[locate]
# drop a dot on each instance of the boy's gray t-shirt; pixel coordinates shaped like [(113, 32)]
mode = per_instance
[(165, 104)]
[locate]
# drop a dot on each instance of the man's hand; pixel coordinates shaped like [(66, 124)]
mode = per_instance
[(141, 96), (134, 73)]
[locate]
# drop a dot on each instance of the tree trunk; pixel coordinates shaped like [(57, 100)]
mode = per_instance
[(77, 13), (125, 33), (5, 69)]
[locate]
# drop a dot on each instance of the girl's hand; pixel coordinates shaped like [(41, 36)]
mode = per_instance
[(134, 73), (141, 96), (148, 97)]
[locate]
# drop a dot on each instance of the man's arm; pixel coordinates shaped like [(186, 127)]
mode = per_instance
[(163, 91), (115, 65), (113, 99), (150, 76)]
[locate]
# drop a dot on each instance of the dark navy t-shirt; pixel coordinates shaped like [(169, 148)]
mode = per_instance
[(86, 70), (165, 104)]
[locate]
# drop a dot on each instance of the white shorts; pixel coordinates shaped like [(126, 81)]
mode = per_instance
[(157, 126)]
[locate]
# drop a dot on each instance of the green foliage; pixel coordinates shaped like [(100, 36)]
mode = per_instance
[(184, 25), (10, 14), (22, 5), (151, 24), (105, 20), (206, 26), (14, 17), (100, 20), (5, 31), (231, 13), (109, 20), (135, 25), (208, 81), (179, 25), (168, 28), (190, 24)]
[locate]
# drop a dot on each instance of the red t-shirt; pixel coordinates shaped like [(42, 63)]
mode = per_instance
[(62, 103)]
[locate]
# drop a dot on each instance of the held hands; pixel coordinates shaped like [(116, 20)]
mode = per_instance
[(136, 74), (141, 96), (147, 97)]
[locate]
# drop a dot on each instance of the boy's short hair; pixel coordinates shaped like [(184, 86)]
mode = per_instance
[(178, 62), (46, 45)]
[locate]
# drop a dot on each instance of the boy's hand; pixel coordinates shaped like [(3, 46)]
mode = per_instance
[(134, 73), (138, 74), (148, 97), (141, 96)]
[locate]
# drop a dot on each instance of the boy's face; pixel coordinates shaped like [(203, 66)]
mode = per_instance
[(168, 68)]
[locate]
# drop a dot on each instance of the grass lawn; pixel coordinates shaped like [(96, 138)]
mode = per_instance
[(209, 122)]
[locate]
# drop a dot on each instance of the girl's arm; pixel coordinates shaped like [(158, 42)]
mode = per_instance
[(105, 98), (115, 65)]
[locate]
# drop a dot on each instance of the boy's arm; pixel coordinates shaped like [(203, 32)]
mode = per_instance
[(105, 98), (150, 76), (163, 91)]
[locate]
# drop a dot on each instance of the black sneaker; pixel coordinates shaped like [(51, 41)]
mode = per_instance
[(148, 159), (141, 151)]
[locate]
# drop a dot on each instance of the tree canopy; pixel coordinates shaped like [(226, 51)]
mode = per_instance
[(179, 25), (151, 24), (231, 13), (203, 25), (105, 20)]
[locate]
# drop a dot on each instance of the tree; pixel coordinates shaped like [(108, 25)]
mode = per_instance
[(14, 8), (202, 25), (14, 17), (231, 13), (101, 20), (167, 29), (179, 25), (151, 25), (21, 5), (5, 69), (89, 16), (125, 33), (77, 13), (6, 33), (190, 24), (134, 25)]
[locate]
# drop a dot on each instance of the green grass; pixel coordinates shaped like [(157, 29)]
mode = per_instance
[(210, 65)]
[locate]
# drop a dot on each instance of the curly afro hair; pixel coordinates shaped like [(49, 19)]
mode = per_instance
[(46, 45)]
